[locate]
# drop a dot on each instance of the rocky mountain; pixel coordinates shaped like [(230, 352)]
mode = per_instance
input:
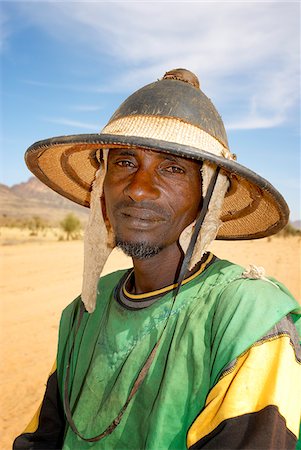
[(33, 198)]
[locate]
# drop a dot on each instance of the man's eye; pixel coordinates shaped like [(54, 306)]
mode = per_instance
[(125, 163), (174, 169)]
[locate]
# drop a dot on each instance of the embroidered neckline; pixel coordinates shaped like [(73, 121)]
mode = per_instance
[(166, 289), (140, 301)]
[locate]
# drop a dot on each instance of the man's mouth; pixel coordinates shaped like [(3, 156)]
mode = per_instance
[(140, 218), (143, 214)]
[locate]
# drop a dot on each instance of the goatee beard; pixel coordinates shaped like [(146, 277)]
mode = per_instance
[(138, 250)]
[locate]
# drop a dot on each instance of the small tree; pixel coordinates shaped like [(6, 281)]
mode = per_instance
[(36, 224), (71, 226)]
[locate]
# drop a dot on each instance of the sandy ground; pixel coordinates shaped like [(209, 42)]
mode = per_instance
[(39, 276)]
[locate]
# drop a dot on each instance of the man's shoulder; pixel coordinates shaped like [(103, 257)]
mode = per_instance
[(234, 283), (247, 305), (248, 298)]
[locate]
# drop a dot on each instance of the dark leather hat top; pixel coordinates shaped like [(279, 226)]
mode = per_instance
[(182, 100)]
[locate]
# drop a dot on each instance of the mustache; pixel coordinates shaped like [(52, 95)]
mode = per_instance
[(145, 205)]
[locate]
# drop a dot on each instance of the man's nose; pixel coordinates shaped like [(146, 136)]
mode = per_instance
[(142, 186)]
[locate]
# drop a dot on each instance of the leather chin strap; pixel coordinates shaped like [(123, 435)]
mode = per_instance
[(143, 372)]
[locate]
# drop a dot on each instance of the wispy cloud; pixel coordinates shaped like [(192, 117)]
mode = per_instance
[(73, 123), (246, 52), (46, 84), (62, 86), (4, 30), (254, 122), (85, 108)]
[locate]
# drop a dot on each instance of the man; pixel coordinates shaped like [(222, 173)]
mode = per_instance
[(184, 350)]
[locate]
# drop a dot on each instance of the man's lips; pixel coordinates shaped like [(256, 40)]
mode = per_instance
[(141, 214)]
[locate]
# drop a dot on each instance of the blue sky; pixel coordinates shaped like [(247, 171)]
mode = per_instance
[(66, 67)]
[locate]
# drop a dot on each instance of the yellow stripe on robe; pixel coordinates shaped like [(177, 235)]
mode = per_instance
[(267, 374)]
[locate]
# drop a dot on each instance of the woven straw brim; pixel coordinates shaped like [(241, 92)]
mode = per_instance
[(253, 208)]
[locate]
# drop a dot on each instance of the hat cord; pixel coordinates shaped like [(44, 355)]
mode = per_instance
[(143, 372), (197, 227), (138, 381)]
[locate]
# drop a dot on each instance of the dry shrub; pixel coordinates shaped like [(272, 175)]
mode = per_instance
[(289, 230)]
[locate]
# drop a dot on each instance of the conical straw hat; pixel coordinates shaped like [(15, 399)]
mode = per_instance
[(174, 116)]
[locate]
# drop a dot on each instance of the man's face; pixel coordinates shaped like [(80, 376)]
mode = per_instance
[(150, 198)]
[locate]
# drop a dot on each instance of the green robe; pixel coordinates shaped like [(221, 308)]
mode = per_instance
[(216, 317)]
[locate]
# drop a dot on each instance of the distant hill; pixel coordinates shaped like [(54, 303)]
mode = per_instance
[(297, 224), (33, 198)]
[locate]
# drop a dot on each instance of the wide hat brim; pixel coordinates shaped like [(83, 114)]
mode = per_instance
[(252, 208)]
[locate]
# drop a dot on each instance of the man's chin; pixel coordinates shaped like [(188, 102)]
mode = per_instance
[(138, 250)]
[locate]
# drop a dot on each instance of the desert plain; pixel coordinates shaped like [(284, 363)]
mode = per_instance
[(41, 275)]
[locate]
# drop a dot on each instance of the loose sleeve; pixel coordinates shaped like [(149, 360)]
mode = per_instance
[(256, 402), (46, 429)]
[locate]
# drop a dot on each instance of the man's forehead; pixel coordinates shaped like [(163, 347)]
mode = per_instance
[(136, 151)]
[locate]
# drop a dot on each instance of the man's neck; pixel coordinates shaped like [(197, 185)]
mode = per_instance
[(158, 271)]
